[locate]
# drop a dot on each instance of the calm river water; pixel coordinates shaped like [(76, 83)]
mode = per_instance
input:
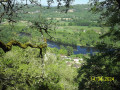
[(77, 49)]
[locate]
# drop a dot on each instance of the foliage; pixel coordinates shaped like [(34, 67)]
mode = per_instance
[(106, 62), (21, 70), (77, 35), (109, 15), (101, 65), (69, 50)]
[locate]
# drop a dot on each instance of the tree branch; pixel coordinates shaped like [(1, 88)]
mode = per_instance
[(7, 47)]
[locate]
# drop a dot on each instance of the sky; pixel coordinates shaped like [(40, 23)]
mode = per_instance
[(44, 2), (75, 2), (81, 1)]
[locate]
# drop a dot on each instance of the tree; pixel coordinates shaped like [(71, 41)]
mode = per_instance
[(106, 62), (69, 50)]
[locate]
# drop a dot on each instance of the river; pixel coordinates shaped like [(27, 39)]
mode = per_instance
[(77, 49)]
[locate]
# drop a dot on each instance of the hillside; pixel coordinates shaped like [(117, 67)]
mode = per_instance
[(77, 14)]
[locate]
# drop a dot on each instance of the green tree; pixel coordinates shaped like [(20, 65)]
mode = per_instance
[(106, 62), (63, 51), (69, 50)]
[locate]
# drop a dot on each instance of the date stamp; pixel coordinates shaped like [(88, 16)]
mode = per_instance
[(101, 78)]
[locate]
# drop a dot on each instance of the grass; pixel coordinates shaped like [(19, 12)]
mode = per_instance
[(72, 29), (69, 29), (20, 23)]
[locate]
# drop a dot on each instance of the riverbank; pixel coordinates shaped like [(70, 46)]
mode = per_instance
[(55, 41), (76, 35)]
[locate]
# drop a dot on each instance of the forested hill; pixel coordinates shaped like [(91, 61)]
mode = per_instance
[(77, 14)]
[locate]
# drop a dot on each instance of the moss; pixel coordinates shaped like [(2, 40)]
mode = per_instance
[(7, 47)]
